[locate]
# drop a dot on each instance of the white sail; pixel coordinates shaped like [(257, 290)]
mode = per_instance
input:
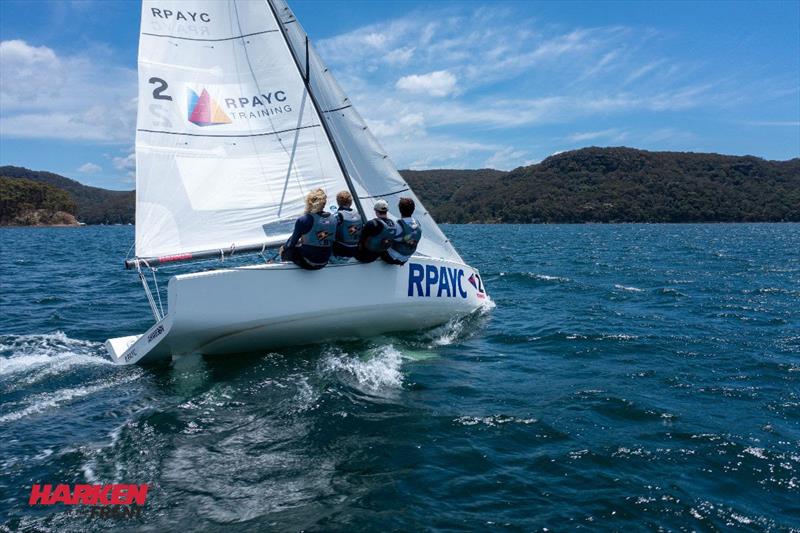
[(228, 142), (368, 164), (228, 139)]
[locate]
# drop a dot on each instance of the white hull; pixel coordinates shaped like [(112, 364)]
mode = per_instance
[(241, 310)]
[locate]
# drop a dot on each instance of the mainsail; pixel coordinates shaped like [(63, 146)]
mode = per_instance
[(229, 139)]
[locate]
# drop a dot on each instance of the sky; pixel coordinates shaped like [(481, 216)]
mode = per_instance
[(441, 84)]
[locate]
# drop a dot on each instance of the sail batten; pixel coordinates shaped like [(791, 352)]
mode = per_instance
[(208, 40)]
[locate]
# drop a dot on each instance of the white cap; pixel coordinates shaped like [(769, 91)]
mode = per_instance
[(381, 206)]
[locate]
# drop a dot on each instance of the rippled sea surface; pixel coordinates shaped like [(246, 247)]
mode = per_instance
[(630, 377)]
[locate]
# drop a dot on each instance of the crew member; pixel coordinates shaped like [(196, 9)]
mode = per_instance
[(409, 232), (348, 231), (311, 242), (377, 235)]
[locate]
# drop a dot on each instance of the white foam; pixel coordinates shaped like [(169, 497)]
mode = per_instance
[(755, 452), (54, 400), (447, 333), (621, 337), (741, 518), (47, 354), (545, 277), (493, 420), (629, 289), (378, 371), (457, 328)]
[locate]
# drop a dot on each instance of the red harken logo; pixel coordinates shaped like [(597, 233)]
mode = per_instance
[(115, 494)]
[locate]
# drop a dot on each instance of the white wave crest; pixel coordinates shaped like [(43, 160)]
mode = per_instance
[(45, 355), (629, 289), (378, 371), (446, 334), (493, 420), (55, 400)]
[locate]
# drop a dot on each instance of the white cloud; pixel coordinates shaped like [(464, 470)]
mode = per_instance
[(506, 159), (126, 163), (470, 75), (89, 168), (438, 83), (399, 56), (44, 95), (25, 67), (405, 126), (612, 134), (642, 71)]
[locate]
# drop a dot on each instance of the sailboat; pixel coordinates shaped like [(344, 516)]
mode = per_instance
[(238, 119)]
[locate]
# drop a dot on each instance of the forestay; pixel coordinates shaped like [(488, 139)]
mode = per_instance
[(228, 139)]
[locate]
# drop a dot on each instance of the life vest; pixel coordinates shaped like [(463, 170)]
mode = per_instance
[(323, 231), (383, 240), (349, 230), (405, 244)]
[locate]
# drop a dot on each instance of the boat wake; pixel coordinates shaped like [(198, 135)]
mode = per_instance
[(377, 371), (44, 372), (54, 400), (460, 328), (29, 359)]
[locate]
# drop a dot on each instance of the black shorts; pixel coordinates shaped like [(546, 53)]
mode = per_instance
[(295, 256), (365, 256), (340, 250)]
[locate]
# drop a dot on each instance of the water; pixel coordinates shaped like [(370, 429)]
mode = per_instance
[(630, 377)]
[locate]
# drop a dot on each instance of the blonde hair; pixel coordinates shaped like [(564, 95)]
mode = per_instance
[(344, 199), (315, 201)]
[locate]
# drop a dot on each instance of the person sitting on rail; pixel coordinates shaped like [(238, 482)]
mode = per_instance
[(348, 231), (409, 232), (377, 235), (311, 243)]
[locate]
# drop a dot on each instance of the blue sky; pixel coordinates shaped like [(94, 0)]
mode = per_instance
[(441, 84)]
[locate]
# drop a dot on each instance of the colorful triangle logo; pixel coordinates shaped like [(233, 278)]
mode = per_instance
[(204, 110)]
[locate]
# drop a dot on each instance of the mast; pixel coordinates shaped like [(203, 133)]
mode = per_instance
[(307, 82)]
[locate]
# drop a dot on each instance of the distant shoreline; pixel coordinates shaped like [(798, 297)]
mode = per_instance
[(586, 186), (716, 223)]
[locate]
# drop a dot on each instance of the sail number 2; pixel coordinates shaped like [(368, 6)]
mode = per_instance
[(157, 110), (158, 92)]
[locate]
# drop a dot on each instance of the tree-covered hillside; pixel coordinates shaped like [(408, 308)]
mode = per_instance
[(587, 185), (94, 205), (28, 203), (620, 185)]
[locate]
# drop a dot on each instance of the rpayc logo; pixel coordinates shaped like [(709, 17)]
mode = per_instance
[(430, 281), (204, 110)]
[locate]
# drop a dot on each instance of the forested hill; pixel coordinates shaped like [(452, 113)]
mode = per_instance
[(618, 185), (94, 205), (587, 185), (30, 203)]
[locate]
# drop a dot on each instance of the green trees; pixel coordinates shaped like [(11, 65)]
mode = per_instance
[(27, 202), (618, 185), (94, 205), (587, 185)]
